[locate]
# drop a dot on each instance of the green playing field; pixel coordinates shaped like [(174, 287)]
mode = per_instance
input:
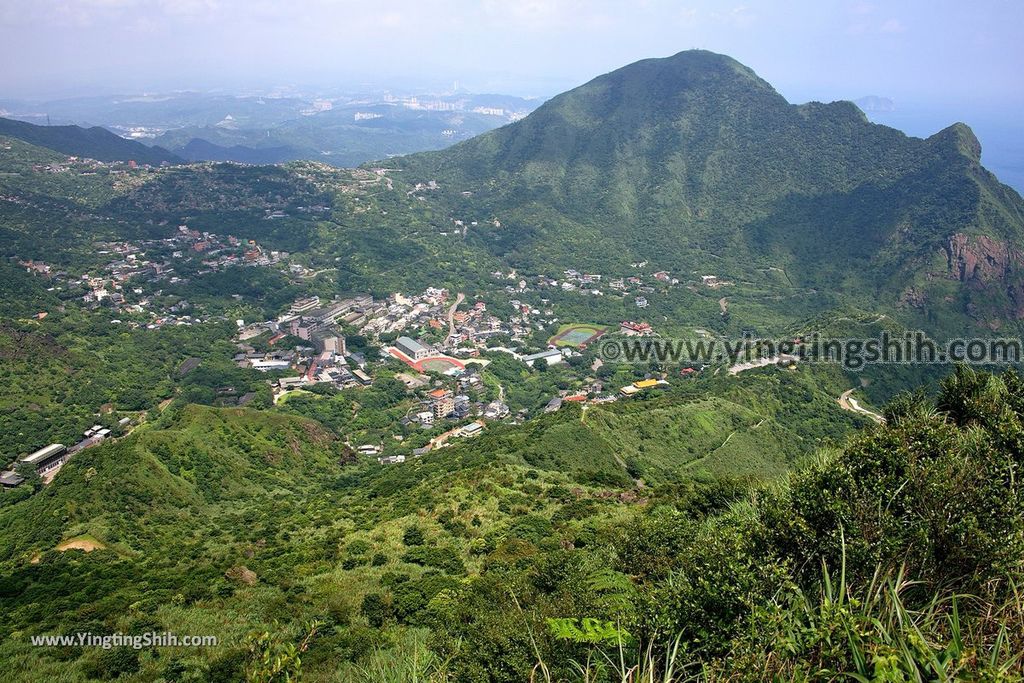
[(577, 335)]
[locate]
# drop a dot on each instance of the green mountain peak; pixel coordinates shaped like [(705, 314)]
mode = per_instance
[(960, 137), (677, 158)]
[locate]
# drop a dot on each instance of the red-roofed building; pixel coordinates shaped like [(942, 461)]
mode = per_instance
[(442, 402), (631, 328)]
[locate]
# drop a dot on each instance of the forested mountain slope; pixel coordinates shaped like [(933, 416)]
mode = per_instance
[(94, 143), (475, 564), (695, 162)]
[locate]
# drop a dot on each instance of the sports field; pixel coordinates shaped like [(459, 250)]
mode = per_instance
[(441, 365), (577, 334)]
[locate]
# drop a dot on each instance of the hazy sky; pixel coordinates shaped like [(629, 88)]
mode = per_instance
[(927, 50)]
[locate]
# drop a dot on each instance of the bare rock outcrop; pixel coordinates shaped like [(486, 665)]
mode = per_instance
[(977, 259), (984, 263)]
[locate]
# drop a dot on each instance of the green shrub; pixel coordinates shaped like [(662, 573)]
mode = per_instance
[(439, 557), (413, 535)]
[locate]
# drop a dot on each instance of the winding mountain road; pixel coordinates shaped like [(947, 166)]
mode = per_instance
[(847, 402)]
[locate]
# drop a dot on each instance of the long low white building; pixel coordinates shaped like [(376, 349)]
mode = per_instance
[(45, 459), (263, 365), (552, 356)]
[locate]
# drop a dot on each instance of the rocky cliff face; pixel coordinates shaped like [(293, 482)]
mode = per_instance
[(976, 259), (985, 263)]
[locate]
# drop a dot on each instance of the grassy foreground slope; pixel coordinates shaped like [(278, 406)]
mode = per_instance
[(756, 425), (898, 557), (265, 516), (474, 564), (225, 521), (165, 483)]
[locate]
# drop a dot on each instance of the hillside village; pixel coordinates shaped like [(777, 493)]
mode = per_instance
[(441, 341), (135, 278), (436, 349), (437, 345)]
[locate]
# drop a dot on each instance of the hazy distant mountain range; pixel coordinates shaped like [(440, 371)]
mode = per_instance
[(95, 142), (342, 131)]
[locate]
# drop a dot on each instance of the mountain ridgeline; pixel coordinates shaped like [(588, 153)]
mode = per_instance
[(696, 163), (95, 143)]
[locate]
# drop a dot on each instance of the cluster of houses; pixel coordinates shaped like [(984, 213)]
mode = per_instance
[(86, 166), (590, 283), (445, 403), (442, 440), (430, 310), (476, 326), (326, 359), (464, 329), (450, 403), (323, 357), (136, 273), (408, 312), (594, 393), (310, 318), (635, 329)]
